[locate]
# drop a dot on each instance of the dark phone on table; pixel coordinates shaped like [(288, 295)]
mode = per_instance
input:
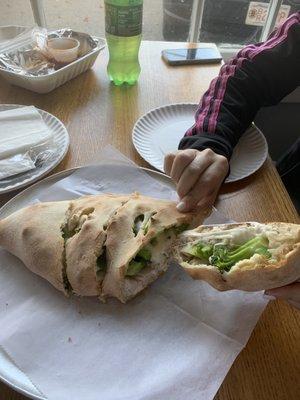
[(200, 55)]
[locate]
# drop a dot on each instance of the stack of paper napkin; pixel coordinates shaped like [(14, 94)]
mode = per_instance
[(21, 130)]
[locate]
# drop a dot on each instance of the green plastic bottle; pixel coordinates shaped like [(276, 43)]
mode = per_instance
[(123, 27)]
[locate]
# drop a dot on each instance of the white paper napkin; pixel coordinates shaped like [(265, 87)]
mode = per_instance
[(21, 129), (175, 341)]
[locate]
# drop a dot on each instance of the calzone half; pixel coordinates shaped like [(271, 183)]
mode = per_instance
[(105, 245), (248, 256)]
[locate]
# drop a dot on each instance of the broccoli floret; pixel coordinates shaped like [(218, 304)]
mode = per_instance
[(139, 262), (145, 254), (135, 267), (224, 258), (199, 250)]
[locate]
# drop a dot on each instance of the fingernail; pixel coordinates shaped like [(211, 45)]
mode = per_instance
[(181, 206), (268, 296)]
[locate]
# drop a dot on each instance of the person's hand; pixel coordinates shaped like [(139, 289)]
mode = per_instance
[(290, 293), (198, 176)]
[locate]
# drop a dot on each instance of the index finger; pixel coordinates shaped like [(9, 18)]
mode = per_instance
[(168, 162)]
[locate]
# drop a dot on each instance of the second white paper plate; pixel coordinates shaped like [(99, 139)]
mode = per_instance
[(43, 167), (159, 132)]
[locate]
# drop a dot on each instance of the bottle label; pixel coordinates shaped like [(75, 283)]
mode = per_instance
[(123, 20)]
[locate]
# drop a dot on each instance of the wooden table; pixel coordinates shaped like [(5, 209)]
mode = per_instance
[(97, 113)]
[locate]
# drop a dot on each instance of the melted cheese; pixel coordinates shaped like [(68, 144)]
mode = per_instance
[(234, 236), (160, 250)]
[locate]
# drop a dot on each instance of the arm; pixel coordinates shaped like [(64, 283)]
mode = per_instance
[(260, 75), (290, 293)]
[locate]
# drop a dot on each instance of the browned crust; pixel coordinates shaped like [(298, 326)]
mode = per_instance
[(33, 234), (253, 278), (267, 276), (91, 215), (122, 245), (210, 274)]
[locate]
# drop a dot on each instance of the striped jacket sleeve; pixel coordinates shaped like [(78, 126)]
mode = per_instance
[(260, 75)]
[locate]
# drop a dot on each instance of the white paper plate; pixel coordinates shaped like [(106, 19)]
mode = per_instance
[(159, 132), (61, 139), (9, 373)]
